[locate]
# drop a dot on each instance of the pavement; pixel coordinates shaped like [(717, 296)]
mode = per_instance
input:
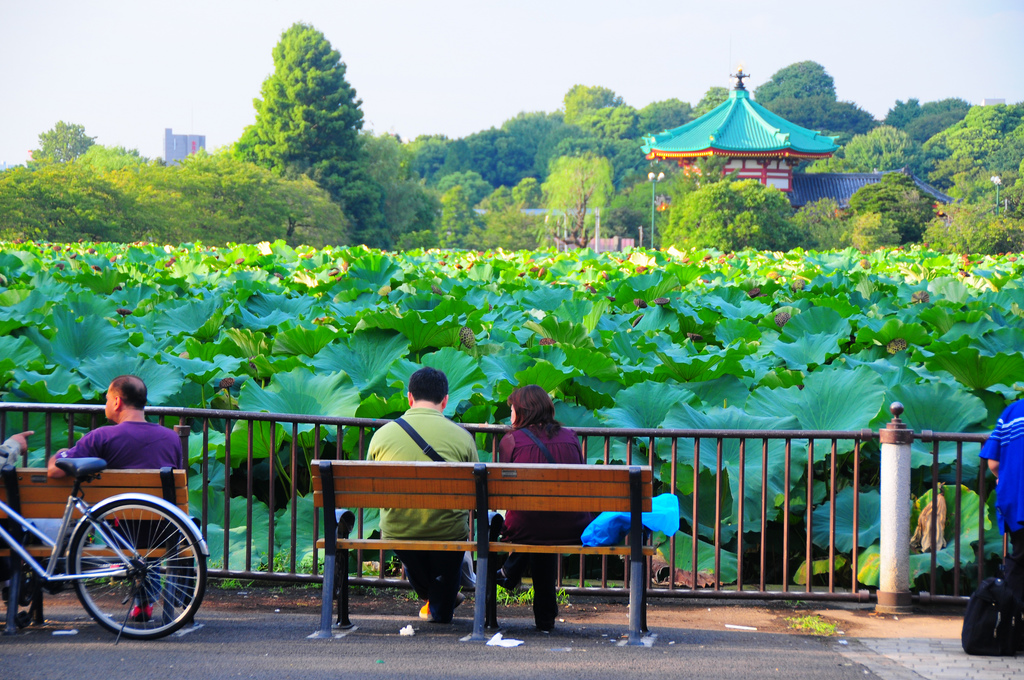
[(253, 632)]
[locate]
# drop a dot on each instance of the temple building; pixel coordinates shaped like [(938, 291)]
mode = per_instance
[(763, 146)]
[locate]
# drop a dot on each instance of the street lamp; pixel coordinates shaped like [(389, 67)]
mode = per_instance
[(654, 183), (997, 181)]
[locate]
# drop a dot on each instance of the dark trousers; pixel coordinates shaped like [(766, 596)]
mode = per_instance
[(435, 577), (544, 570), (1014, 565)]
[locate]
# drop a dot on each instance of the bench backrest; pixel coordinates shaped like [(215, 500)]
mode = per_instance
[(452, 486), (566, 488), (372, 484), (42, 497)]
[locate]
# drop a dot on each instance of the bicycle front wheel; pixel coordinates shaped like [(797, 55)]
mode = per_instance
[(160, 587)]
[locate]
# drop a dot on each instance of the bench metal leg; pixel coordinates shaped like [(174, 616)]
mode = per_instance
[(484, 583), (636, 603), (326, 598)]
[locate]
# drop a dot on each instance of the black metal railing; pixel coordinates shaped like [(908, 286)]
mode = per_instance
[(728, 482)]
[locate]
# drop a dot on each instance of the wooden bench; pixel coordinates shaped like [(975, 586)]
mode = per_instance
[(340, 486), (35, 496)]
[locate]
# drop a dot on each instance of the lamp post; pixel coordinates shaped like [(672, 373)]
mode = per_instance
[(654, 183), (997, 181)]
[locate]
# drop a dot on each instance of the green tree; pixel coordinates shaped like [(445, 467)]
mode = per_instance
[(820, 225), (65, 142), (581, 99), (308, 121), (803, 80), (714, 97), (505, 225), (107, 158), (921, 122), (473, 185), (871, 231), (618, 122), (407, 206), (730, 216), (663, 115), (458, 220), (989, 138), (62, 202), (884, 148), (899, 201), (528, 193), (966, 228), (576, 185), (838, 119)]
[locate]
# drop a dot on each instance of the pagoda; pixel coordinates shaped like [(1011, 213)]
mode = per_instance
[(757, 143)]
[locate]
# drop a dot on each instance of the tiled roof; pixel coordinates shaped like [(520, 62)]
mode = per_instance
[(738, 126), (810, 187)]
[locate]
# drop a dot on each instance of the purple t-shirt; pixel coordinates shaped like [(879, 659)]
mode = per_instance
[(130, 445)]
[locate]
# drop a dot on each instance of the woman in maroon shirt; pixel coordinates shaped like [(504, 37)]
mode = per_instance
[(536, 437)]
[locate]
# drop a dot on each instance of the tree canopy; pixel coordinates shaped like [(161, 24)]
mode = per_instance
[(64, 142), (803, 80), (308, 121), (731, 215)]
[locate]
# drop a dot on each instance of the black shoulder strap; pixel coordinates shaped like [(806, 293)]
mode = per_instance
[(427, 448), (540, 445)]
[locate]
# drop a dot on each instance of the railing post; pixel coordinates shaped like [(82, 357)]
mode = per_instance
[(894, 549), (183, 430)]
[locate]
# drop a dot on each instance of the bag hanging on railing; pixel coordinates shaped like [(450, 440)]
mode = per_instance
[(992, 620)]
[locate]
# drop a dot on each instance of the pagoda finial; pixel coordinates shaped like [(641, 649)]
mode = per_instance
[(739, 76)]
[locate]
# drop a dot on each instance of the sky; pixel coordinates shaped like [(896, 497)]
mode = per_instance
[(128, 70)]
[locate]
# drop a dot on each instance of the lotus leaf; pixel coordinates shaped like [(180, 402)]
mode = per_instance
[(366, 357), (162, 380)]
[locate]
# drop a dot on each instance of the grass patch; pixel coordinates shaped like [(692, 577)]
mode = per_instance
[(508, 598), (812, 624)]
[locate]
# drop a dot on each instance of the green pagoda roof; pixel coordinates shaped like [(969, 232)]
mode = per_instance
[(739, 127)]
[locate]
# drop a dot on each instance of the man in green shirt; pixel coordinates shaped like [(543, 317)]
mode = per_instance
[(434, 574)]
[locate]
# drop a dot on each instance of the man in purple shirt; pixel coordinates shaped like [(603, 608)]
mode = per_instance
[(131, 442)]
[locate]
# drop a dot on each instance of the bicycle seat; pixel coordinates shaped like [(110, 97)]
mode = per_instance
[(81, 467)]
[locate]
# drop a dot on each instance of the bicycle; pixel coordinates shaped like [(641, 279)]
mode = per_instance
[(137, 562)]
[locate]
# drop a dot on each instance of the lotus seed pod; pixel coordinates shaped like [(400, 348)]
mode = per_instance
[(772, 275), (661, 302), (240, 260), (226, 383), (781, 318), (466, 336), (436, 291), (896, 345), (754, 292), (695, 337), (384, 290), (547, 341), (798, 284), (640, 303), (864, 264), (123, 312), (920, 297)]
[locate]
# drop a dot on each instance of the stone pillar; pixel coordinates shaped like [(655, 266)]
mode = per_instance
[(894, 553)]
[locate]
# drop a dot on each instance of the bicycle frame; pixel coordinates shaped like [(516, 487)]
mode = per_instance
[(58, 547)]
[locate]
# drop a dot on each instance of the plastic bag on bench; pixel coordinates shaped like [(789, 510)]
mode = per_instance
[(610, 528)]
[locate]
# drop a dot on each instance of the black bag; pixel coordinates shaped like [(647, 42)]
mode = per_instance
[(992, 622)]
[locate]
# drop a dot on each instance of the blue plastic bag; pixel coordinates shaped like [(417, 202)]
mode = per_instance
[(610, 528)]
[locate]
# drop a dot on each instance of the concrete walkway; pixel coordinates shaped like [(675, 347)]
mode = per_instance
[(262, 634)]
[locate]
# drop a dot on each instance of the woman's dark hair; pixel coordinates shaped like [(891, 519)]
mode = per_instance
[(535, 409)]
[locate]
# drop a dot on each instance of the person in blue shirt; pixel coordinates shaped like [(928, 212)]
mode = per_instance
[(1004, 451)]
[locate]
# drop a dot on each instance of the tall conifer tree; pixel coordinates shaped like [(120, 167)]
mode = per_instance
[(308, 121)]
